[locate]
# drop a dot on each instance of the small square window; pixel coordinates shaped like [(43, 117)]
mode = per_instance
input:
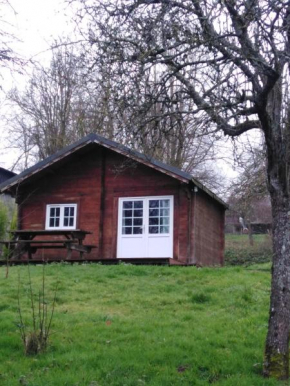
[(61, 216)]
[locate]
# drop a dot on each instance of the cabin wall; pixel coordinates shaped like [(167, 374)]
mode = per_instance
[(207, 231), (95, 181)]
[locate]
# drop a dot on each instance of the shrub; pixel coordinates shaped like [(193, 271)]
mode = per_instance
[(3, 220), (238, 251), (13, 223)]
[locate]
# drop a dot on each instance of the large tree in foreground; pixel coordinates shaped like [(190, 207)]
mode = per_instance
[(231, 58)]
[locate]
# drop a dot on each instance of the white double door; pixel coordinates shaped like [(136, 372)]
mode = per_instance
[(145, 227)]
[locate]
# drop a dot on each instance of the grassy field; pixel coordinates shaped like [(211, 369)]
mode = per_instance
[(239, 251), (150, 325)]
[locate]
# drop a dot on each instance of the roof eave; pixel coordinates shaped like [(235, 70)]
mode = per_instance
[(209, 192), (20, 179)]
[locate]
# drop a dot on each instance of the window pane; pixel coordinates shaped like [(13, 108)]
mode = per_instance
[(127, 204), (127, 221), (164, 229), (126, 231), (153, 220), (57, 212), (153, 203), (137, 230), (164, 203), (164, 212), (65, 222), (153, 230), (164, 221), (57, 222), (66, 211), (72, 211), (153, 212), (138, 213), (138, 221), (71, 221), (138, 204), (127, 213), (52, 212), (51, 222)]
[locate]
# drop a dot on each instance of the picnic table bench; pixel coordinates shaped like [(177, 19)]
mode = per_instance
[(25, 241)]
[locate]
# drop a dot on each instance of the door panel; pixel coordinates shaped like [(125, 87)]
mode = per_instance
[(131, 237)]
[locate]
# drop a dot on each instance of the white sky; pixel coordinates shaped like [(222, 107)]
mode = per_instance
[(35, 23)]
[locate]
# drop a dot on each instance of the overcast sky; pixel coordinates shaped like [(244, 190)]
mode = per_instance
[(35, 24)]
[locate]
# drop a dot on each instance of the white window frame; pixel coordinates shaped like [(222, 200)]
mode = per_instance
[(61, 217)]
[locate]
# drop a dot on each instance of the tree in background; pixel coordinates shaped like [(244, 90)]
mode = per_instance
[(249, 190), (43, 116), (231, 59), (71, 98)]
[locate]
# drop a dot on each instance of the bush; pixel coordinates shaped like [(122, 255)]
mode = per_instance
[(238, 251), (3, 220)]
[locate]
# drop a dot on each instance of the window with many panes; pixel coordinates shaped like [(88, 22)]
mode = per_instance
[(61, 216), (132, 219), (159, 214)]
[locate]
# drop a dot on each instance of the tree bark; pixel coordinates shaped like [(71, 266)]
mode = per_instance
[(276, 360), (277, 137)]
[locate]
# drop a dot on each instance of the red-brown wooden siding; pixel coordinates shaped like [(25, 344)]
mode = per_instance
[(96, 180), (207, 234)]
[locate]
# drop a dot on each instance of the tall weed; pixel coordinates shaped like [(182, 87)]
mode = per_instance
[(36, 331)]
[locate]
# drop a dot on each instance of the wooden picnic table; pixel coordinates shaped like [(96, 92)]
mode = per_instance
[(28, 241)]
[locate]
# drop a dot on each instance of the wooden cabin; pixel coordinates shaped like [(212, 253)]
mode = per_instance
[(135, 208)]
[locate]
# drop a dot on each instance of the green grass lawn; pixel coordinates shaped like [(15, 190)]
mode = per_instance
[(133, 325)]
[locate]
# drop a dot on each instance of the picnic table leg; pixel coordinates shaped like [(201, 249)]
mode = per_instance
[(81, 253), (68, 254), (68, 250), (19, 250)]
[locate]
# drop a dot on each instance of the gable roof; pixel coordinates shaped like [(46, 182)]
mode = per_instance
[(112, 145)]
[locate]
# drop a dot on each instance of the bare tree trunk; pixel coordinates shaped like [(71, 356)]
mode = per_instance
[(276, 362)]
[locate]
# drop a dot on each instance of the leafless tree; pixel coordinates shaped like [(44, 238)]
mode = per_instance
[(250, 188), (67, 100), (57, 107), (45, 106), (153, 116), (231, 59), (154, 122)]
